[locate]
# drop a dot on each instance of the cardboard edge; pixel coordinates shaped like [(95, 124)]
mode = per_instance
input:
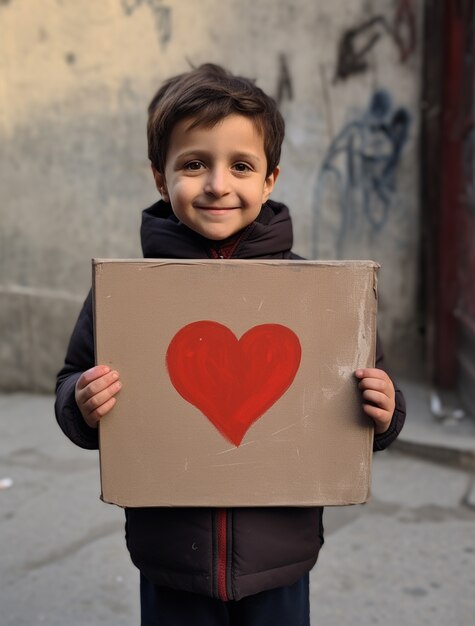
[(96, 265), (126, 504), (304, 262), (373, 362)]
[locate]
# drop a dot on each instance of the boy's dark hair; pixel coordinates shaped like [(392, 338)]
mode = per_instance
[(208, 94)]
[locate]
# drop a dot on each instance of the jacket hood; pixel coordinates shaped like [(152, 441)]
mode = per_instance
[(163, 236)]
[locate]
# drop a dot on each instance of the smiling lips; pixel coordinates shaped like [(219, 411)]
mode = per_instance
[(216, 209)]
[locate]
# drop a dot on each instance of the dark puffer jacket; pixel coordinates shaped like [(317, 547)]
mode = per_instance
[(224, 553)]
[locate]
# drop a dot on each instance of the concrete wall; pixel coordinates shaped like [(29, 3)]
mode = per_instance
[(75, 80)]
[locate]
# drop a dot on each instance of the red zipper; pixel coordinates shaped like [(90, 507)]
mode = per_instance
[(222, 554)]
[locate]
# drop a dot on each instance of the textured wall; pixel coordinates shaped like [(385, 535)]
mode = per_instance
[(75, 80)]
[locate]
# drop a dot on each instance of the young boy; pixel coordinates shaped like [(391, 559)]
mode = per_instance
[(214, 145)]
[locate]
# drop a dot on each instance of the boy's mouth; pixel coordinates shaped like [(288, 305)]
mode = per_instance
[(218, 209)]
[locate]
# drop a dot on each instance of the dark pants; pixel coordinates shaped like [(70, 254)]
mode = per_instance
[(284, 606)]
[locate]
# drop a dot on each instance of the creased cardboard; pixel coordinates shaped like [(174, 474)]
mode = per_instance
[(238, 384)]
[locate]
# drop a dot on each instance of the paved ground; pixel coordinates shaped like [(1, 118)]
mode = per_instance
[(407, 557)]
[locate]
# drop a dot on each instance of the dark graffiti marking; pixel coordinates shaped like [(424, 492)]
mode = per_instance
[(284, 87), (357, 43), (161, 13), (358, 174), (355, 46)]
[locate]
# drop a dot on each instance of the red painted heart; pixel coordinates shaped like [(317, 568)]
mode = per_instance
[(233, 382)]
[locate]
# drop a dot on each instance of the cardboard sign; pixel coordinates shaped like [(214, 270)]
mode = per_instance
[(238, 384)]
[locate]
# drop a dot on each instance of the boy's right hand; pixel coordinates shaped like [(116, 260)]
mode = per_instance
[(95, 391)]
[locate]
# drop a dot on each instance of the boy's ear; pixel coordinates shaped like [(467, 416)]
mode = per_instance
[(160, 183), (270, 183)]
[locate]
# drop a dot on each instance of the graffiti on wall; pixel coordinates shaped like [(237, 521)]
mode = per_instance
[(357, 43), (161, 14), (357, 179), (285, 90)]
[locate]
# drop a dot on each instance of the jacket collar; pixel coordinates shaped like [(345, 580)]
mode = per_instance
[(163, 236)]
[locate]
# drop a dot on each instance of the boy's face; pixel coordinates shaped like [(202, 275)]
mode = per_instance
[(216, 178)]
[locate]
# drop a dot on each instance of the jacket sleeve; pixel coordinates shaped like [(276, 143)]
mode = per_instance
[(383, 440), (79, 358)]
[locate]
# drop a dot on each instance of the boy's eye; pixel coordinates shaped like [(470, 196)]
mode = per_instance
[(241, 167), (193, 165)]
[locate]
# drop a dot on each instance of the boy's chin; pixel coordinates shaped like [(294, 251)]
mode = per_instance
[(223, 237), (220, 234)]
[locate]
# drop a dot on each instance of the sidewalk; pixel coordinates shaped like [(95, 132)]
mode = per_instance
[(405, 557), (440, 434)]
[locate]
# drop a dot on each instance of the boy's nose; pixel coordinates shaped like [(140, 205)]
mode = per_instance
[(217, 182)]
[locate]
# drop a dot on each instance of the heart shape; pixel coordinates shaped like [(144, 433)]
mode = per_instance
[(233, 382)]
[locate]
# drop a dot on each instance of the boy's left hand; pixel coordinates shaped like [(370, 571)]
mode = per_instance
[(378, 395)]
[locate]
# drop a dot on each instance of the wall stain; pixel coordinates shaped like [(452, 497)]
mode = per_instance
[(162, 16), (358, 175)]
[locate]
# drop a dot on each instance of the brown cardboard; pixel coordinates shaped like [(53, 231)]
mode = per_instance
[(312, 446)]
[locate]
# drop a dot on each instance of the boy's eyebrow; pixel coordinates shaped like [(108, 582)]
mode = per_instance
[(247, 156), (192, 153), (198, 153)]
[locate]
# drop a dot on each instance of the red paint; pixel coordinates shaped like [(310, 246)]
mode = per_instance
[(404, 29), (222, 554), (233, 382)]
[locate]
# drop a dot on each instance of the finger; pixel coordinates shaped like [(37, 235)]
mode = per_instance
[(90, 375), (377, 414), (375, 383), (103, 396), (371, 372), (93, 419), (381, 419), (98, 385), (377, 398)]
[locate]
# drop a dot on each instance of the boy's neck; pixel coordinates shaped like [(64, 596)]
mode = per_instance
[(225, 248)]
